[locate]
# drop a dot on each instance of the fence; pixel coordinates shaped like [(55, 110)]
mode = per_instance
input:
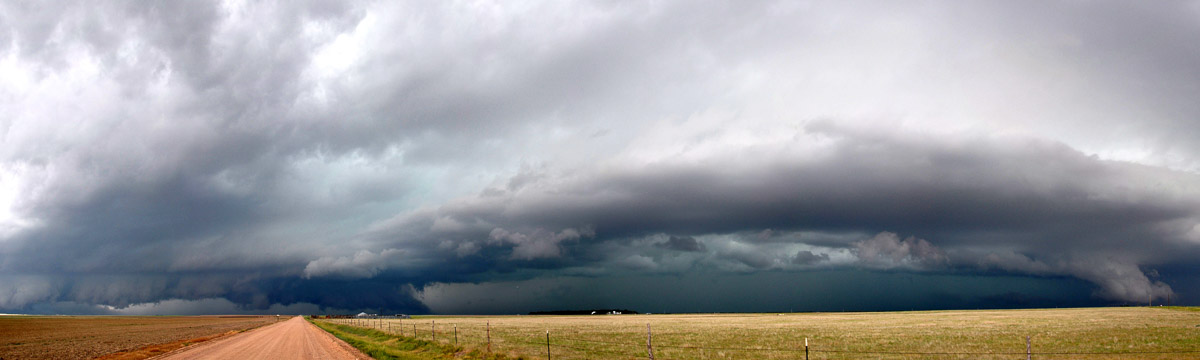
[(493, 338)]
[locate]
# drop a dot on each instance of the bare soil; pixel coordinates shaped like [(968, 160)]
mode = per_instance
[(120, 337)]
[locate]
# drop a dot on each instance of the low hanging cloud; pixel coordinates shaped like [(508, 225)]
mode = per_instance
[(1029, 192), (1116, 274), (682, 243), (363, 264), (1119, 278), (806, 257), (537, 244), (886, 250), (18, 291)]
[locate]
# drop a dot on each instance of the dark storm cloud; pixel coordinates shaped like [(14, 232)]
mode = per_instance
[(244, 291), (913, 185), (805, 257), (1057, 211), (227, 156), (682, 243), (825, 290)]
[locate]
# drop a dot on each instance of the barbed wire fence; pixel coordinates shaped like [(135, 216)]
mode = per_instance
[(488, 337)]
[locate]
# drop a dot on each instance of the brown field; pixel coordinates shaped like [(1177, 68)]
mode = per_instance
[(122, 337), (1089, 333)]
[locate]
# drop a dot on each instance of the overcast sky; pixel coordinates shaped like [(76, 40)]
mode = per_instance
[(663, 156)]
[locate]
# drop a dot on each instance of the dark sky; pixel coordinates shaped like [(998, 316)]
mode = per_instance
[(662, 156)]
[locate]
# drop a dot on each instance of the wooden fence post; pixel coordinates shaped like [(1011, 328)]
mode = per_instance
[(649, 342), (489, 335), (433, 330), (805, 348), (455, 334), (547, 344), (1028, 350)]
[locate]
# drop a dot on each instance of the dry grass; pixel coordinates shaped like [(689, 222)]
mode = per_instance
[(125, 337), (1127, 332)]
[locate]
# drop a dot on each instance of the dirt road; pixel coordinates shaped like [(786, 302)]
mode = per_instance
[(289, 339)]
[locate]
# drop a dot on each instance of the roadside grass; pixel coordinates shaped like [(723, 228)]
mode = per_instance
[(383, 346), (1082, 333), (1183, 308)]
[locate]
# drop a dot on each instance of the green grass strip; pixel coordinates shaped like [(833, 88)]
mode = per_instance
[(1183, 308), (383, 346)]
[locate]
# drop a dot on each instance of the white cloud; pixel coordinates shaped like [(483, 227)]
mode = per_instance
[(886, 250), (538, 243), (212, 306), (364, 264)]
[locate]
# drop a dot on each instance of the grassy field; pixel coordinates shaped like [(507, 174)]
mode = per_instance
[(116, 337), (383, 345), (1089, 333)]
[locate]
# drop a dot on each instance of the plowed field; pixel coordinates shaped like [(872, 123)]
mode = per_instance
[(86, 337)]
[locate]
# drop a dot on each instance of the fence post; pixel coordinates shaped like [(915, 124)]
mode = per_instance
[(1028, 350), (547, 344), (455, 334), (433, 330), (489, 335), (805, 348), (649, 342)]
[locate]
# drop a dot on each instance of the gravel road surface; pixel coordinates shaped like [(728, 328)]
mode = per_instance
[(290, 339)]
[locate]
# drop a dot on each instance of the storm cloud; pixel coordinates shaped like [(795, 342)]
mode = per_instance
[(221, 157)]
